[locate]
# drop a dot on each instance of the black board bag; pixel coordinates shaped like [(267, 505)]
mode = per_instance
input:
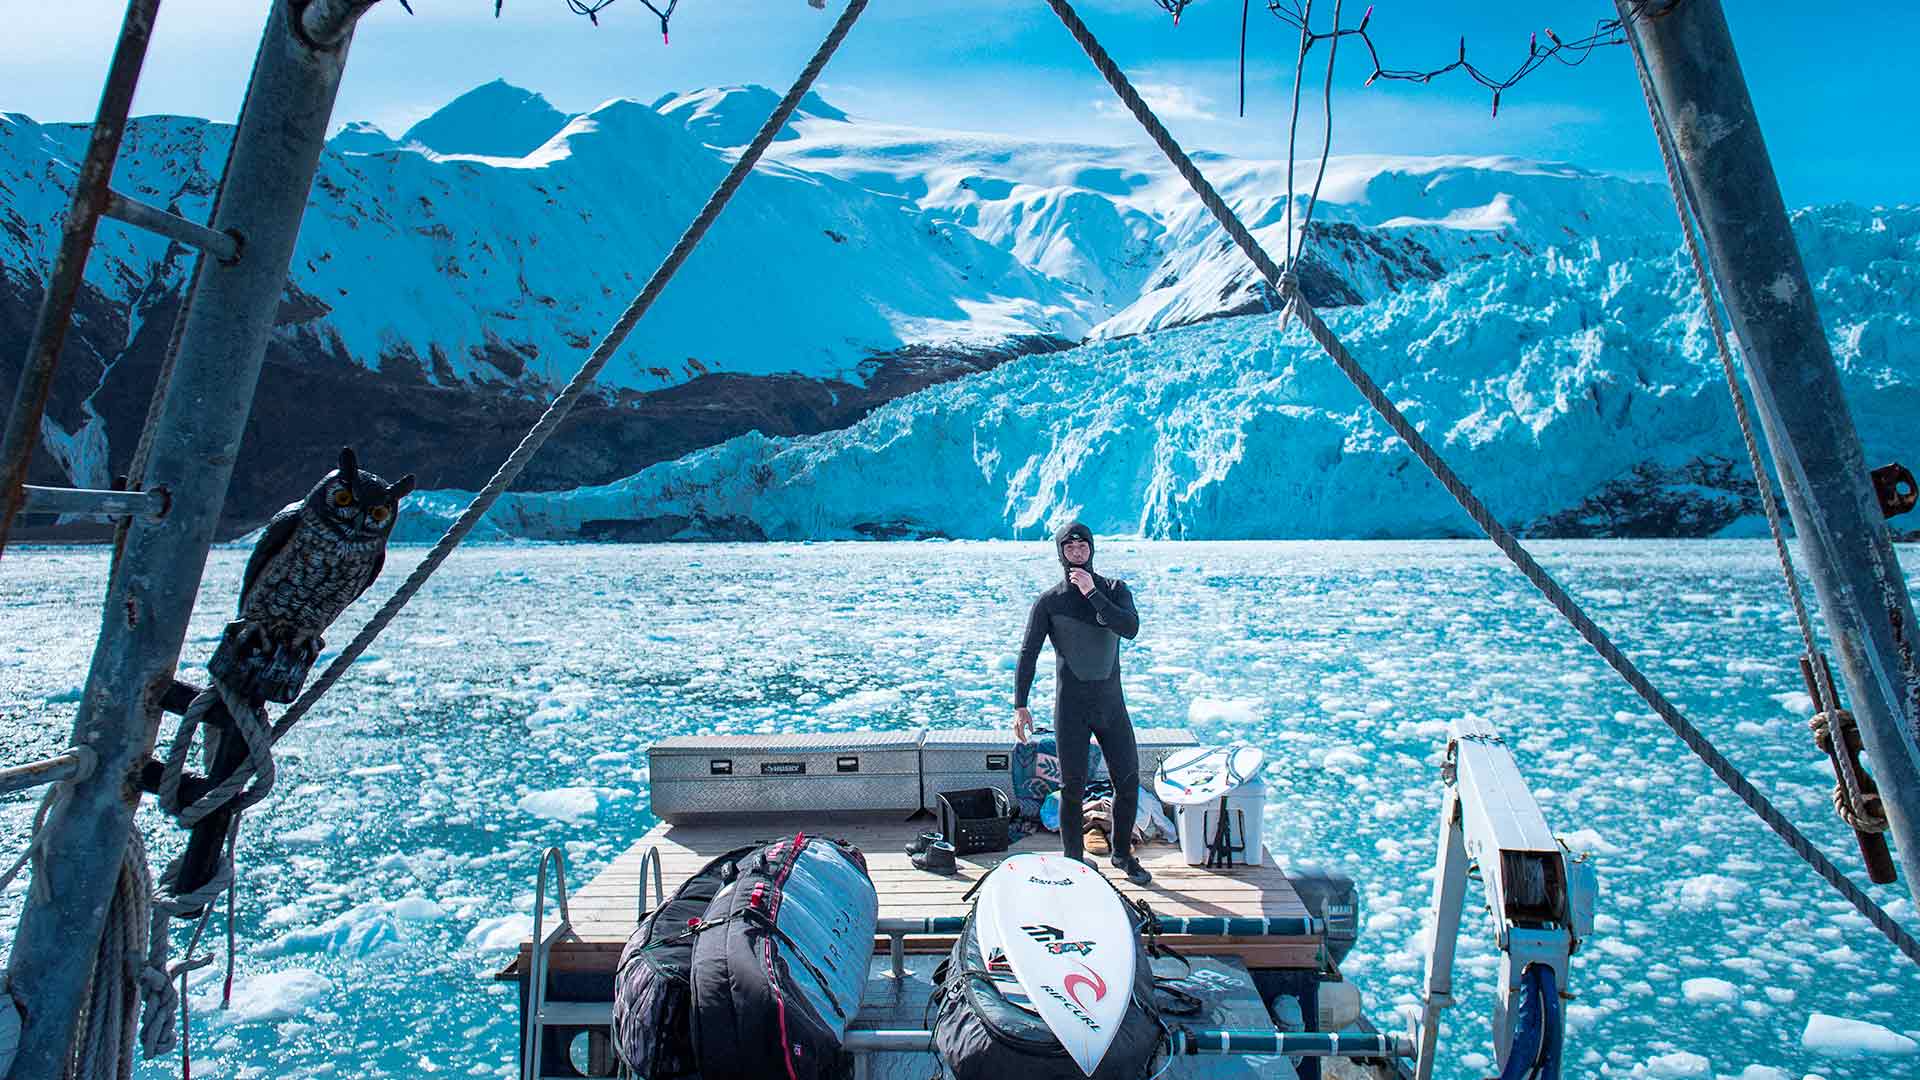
[(652, 992), (752, 969), (982, 1036)]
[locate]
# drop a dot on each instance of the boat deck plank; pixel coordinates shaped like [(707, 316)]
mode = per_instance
[(605, 911)]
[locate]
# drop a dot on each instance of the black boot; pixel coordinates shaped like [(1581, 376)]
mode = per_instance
[(938, 858), (1130, 866)]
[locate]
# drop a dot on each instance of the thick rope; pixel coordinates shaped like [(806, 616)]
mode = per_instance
[(251, 722), (158, 1033), (1849, 794), (1298, 307), (106, 1029), (563, 404)]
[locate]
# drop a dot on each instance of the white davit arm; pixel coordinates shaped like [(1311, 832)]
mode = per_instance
[(1541, 899)]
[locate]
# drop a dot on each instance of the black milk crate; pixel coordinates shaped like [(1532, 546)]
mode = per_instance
[(975, 820)]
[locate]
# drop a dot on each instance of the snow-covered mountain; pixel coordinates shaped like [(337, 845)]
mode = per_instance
[(446, 280), (1574, 387)]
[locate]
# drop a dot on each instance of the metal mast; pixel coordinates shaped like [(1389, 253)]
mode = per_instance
[(1830, 494), (277, 146)]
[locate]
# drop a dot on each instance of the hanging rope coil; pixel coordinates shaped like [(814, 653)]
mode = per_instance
[(1855, 797), (1297, 308)]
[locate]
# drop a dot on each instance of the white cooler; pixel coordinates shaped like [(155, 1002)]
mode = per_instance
[(1246, 812)]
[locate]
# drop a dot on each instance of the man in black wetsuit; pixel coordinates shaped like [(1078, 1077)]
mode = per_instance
[(1085, 616)]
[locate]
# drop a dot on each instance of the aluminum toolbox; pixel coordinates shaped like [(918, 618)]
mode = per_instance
[(695, 776), (960, 759), (956, 759)]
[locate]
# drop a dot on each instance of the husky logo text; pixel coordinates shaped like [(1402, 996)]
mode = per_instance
[(1049, 881), (1061, 948)]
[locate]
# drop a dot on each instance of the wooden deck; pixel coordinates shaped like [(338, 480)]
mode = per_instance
[(605, 911)]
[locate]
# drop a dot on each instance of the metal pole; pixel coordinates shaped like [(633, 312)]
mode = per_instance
[(277, 146), (90, 194), (1836, 514)]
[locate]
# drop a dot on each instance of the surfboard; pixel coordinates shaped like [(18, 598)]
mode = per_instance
[(1204, 773), (986, 931), (1067, 937)]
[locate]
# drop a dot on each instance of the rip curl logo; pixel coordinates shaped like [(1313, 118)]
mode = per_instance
[(1073, 1008), (1050, 881), (1091, 980)]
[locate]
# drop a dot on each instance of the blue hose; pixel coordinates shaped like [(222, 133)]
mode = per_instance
[(1556, 1031), (1538, 1029)]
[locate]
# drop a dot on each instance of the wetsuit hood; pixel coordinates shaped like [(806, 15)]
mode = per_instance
[(1073, 530)]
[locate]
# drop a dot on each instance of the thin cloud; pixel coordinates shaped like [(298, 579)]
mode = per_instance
[(1171, 101)]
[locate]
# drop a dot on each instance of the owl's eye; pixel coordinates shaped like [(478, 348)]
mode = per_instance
[(379, 514), (343, 497)]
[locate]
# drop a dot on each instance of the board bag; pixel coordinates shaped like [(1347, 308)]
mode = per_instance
[(981, 1035), (652, 990), (780, 962)]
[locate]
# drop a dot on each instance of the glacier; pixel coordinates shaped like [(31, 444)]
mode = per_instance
[(1575, 387), (447, 280)]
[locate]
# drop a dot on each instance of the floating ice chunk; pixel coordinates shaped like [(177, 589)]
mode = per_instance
[(1679, 1063), (357, 932), (417, 909), (1342, 759), (275, 995), (1589, 840), (1764, 1072), (1841, 1037), (1228, 711), (864, 703), (1703, 891), (376, 770), (1707, 990), (318, 832), (505, 932), (569, 804), (1796, 702)]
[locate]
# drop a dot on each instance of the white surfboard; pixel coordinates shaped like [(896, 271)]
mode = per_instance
[(1204, 773), (1066, 935), (987, 932)]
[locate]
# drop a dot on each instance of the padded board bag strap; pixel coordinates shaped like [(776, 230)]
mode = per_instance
[(652, 999), (778, 977)]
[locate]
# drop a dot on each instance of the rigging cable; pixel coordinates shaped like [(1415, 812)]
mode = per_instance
[(564, 402), (1569, 609)]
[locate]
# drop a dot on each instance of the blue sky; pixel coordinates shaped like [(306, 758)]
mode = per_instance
[(1828, 92)]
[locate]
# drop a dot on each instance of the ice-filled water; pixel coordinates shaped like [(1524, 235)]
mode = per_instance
[(511, 707)]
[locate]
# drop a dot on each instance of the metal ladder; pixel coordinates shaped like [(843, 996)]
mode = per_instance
[(541, 1013), (93, 198)]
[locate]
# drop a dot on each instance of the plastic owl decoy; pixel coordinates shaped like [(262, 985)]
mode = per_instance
[(314, 559)]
